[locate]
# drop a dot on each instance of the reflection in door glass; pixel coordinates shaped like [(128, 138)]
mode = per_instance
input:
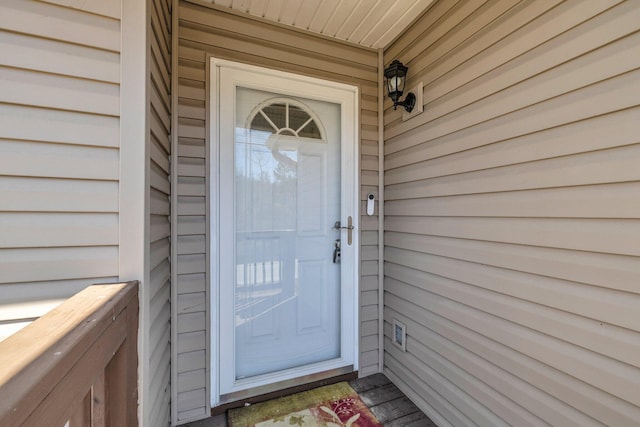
[(287, 197)]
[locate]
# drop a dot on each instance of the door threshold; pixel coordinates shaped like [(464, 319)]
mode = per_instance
[(283, 388)]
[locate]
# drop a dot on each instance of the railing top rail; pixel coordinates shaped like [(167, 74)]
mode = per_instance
[(36, 358)]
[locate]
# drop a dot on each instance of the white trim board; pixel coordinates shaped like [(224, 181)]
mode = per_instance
[(295, 85), (133, 250)]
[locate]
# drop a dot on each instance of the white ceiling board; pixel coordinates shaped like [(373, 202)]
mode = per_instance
[(355, 18), (273, 10), (256, 7), (365, 28), (392, 16), (290, 10), (324, 12), (305, 14), (371, 23), (340, 15)]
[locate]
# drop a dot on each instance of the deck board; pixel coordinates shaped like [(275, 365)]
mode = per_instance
[(384, 399), (379, 395), (388, 403), (392, 410), (417, 419), (367, 383)]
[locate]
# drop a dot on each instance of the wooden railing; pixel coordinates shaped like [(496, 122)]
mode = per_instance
[(76, 365)]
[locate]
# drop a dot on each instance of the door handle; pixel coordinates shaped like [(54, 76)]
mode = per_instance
[(349, 228)]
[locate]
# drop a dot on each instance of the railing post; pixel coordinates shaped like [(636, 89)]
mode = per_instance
[(132, 365), (99, 402), (121, 377)]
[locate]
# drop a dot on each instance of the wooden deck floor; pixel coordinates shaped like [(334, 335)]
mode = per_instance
[(386, 401)]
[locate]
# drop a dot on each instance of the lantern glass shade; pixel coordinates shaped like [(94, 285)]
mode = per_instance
[(395, 74)]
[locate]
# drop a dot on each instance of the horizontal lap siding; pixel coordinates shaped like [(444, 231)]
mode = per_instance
[(159, 209), (59, 151), (224, 35), (512, 217)]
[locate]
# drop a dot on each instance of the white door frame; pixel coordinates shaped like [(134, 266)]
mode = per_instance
[(296, 85)]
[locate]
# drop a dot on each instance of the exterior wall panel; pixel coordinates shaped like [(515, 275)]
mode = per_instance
[(59, 153), (159, 294), (60, 166), (211, 31), (511, 216)]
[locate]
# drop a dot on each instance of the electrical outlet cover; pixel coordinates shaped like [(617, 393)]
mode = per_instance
[(399, 335)]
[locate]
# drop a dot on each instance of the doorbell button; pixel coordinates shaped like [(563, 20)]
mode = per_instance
[(370, 204)]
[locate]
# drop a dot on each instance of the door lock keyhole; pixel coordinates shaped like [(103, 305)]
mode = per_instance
[(336, 251)]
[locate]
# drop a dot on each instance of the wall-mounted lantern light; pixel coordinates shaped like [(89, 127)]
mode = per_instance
[(396, 75)]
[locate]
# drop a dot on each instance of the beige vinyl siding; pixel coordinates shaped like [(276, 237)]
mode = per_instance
[(206, 31), (159, 209), (512, 216), (59, 152)]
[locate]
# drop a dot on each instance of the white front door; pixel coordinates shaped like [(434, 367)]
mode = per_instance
[(287, 164)]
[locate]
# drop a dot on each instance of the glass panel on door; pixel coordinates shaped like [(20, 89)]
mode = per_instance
[(286, 201)]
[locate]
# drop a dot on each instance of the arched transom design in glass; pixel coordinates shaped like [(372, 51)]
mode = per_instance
[(284, 116)]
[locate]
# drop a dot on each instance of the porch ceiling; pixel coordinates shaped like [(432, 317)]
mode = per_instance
[(370, 23)]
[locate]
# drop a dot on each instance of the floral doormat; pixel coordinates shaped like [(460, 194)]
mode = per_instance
[(336, 405)]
